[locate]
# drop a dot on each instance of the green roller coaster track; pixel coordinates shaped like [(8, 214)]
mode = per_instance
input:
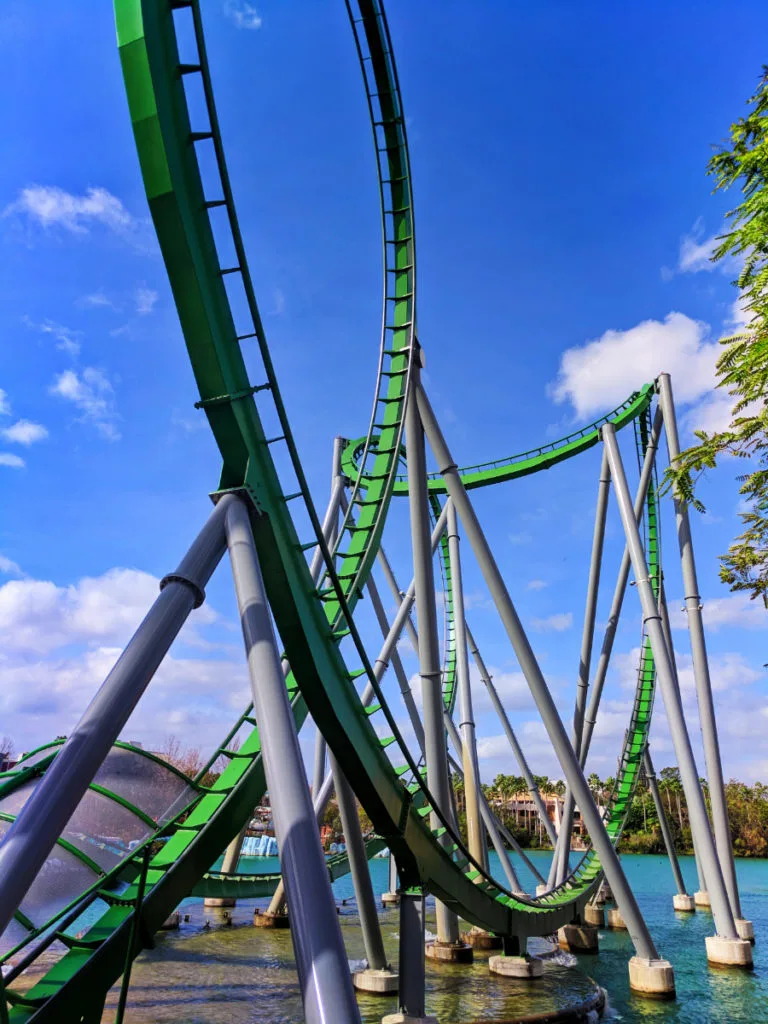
[(314, 621)]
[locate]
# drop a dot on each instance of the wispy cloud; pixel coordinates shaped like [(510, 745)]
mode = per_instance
[(24, 432), (557, 623), (5, 403), (145, 299), (696, 251), (97, 300), (9, 567), (92, 393), (243, 14), (536, 585), (13, 461), (67, 339), (51, 206), (519, 538)]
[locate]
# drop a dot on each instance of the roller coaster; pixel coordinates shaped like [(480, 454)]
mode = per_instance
[(77, 907)]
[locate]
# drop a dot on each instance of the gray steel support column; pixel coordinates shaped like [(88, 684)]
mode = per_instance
[(358, 867), (318, 769), (669, 842), (709, 737), (41, 821), (564, 751), (321, 960), (613, 621), (233, 851), (411, 968), (468, 750), (585, 659), (487, 815), (438, 778), (697, 812), (513, 742)]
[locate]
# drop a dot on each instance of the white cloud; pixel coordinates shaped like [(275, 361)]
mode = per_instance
[(24, 432), (736, 610), (596, 376), (14, 461), (9, 567), (93, 394), (536, 585), (557, 623), (695, 251), (67, 340), (5, 405), (97, 300), (51, 206), (519, 538), (740, 316), (145, 299), (243, 14)]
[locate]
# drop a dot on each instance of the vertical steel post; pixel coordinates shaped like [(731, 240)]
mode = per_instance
[(697, 812), (318, 768), (42, 819), (438, 779), (710, 741), (614, 872), (669, 842), (412, 972), (321, 959), (475, 833), (358, 866)]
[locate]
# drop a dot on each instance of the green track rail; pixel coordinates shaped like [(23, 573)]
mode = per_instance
[(315, 623)]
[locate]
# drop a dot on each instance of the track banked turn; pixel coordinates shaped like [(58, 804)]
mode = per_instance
[(314, 622)]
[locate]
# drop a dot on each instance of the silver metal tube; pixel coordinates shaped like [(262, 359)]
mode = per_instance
[(412, 973), (669, 842), (321, 959), (438, 779), (475, 833), (318, 770), (697, 812), (41, 821), (358, 867), (701, 677), (398, 594), (569, 763)]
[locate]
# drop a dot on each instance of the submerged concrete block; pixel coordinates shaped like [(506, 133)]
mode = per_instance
[(477, 938), (449, 952), (578, 938), (390, 899), (722, 952), (219, 901), (701, 898), (403, 1018), (526, 967), (594, 915), (264, 920), (684, 903), (615, 920), (654, 978), (382, 983), (745, 930)]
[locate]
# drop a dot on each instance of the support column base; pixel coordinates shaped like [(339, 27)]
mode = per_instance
[(701, 898), (172, 922), (449, 952), (529, 967), (578, 938), (722, 952), (615, 920), (390, 899), (264, 920), (404, 1018), (745, 930), (594, 915), (381, 983), (684, 903), (541, 889), (652, 978), (479, 939), (605, 894), (219, 901)]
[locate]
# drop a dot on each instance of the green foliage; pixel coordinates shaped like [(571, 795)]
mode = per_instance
[(742, 369)]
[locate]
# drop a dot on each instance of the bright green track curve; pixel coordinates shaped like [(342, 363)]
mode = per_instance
[(220, 321)]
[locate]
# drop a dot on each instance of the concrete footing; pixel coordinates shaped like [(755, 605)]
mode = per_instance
[(390, 899), (381, 983), (219, 901), (264, 920), (479, 939), (594, 915), (745, 930), (403, 1018), (530, 967), (541, 889), (578, 938), (684, 903), (722, 952), (449, 952), (701, 898), (172, 922), (653, 978), (615, 920), (605, 894)]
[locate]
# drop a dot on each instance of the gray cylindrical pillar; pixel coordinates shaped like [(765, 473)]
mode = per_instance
[(318, 770), (438, 779), (689, 776), (41, 821), (475, 833), (397, 593), (358, 866), (701, 677), (669, 842), (321, 959), (412, 974), (539, 689)]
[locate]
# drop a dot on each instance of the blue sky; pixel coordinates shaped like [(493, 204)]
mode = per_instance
[(564, 221)]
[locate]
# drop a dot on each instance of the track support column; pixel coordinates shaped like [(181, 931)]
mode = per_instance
[(412, 974), (229, 867), (321, 959), (681, 900), (726, 947)]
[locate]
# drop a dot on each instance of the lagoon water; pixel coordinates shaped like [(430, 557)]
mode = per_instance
[(240, 975)]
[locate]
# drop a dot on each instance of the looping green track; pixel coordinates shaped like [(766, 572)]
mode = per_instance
[(315, 622)]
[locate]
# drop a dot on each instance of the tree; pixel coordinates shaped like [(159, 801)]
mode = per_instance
[(742, 369)]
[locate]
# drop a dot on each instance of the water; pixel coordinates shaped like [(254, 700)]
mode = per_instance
[(237, 974)]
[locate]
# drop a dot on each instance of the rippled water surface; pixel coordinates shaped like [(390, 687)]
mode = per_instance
[(233, 974)]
